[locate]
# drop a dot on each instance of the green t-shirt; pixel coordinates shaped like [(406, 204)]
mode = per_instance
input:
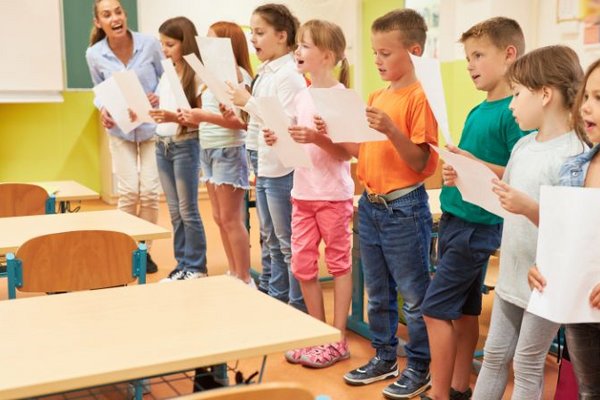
[(490, 132)]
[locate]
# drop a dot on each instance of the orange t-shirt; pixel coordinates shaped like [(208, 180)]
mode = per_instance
[(380, 168)]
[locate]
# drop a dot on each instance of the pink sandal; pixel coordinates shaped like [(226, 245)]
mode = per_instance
[(294, 356), (326, 355)]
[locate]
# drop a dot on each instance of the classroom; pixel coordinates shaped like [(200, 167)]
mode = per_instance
[(365, 198)]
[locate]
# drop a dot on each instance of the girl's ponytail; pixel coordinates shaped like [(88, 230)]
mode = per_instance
[(345, 72)]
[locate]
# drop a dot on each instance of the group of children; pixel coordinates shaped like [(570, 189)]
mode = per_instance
[(533, 129)]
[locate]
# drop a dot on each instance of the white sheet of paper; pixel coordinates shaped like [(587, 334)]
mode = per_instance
[(217, 57), (216, 86), (133, 92), (110, 96), (429, 74), (343, 111), (290, 153), (175, 85), (568, 255), (474, 182)]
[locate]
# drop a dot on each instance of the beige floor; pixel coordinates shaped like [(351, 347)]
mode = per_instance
[(327, 381)]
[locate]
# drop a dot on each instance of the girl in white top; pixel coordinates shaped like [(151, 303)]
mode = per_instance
[(273, 36), (223, 158), (322, 195), (177, 153), (544, 83)]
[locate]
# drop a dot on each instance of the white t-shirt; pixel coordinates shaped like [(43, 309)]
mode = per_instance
[(167, 102), (278, 78), (213, 136)]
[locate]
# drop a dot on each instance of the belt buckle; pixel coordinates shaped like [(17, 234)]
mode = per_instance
[(374, 198)]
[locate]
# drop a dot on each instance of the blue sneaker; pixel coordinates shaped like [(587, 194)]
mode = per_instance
[(376, 370), (410, 384)]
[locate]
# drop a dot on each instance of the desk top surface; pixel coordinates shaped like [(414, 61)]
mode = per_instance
[(68, 341), (14, 231), (68, 190)]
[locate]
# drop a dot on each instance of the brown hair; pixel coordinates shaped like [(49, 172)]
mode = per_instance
[(97, 34), (281, 19), (408, 22), (183, 30), (328, 36), (552, 66), (581, 94), (239, 44), (501, 31)]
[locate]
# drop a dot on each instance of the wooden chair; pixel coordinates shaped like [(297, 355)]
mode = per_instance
[(76, 260), (22, 199), (262, 391)]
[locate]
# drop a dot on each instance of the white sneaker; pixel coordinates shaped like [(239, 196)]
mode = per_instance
[(175, 275), (193, 275), (252, 284)]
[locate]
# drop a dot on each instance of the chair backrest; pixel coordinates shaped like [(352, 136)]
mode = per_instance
[(262, 391), (77, 260), (21, 199)]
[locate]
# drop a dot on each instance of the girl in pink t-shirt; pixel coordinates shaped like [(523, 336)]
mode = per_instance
[(322, 195)]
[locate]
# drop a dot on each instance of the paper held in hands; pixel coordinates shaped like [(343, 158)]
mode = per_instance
[(568, 255), (121, 92), (429, 74), (474, 182), (217, 57), (290, 153), (344, 112), (175, 85), (216, 86)]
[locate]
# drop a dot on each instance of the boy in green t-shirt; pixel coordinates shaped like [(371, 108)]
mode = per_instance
[(468, 234)]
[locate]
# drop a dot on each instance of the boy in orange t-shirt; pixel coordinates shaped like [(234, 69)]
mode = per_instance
[(394, 217)]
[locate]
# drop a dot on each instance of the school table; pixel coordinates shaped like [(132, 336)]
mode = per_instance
[(82, 339), (14, 231), (66, 191), (356, 321)]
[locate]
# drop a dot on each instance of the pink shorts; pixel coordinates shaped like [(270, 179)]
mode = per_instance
[(316, 220)]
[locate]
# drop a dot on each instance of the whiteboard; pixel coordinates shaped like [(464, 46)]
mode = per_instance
[(31, 67)]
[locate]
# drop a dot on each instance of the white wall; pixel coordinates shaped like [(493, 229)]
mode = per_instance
[(152, 13)]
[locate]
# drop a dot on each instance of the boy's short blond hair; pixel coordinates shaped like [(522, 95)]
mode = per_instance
[(501, 31), (409, 23)]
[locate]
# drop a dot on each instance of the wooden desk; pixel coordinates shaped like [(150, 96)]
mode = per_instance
[(81, 339), (68, 190), (14, 231)]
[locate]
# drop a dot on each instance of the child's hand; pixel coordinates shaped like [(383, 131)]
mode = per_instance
[(227, 112), (595, 297), (449, 175), (160, 116), (106, 119), (188, 117), (132, 115), (535, 279), (453, 149), (511, 199), (238, 94), (302, 134), (380, 121), (153, 99), (270, 137), (320, 124)]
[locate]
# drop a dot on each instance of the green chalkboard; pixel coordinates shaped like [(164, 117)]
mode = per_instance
[(77, 18)]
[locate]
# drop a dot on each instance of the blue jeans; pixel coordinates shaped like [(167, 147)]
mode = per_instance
[(265, 257), (394, 251), (178, 167), (274, 205)]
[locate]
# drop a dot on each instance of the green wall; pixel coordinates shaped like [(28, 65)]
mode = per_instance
[(51, 141)]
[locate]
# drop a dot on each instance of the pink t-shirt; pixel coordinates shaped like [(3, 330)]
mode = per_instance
[(330, 178)]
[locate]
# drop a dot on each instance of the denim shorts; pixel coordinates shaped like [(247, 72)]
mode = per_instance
[(225, 166), (464, 250)]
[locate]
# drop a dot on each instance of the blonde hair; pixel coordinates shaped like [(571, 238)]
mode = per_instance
[(409, 23), (551, 66), (328, 36), (501, 31)]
